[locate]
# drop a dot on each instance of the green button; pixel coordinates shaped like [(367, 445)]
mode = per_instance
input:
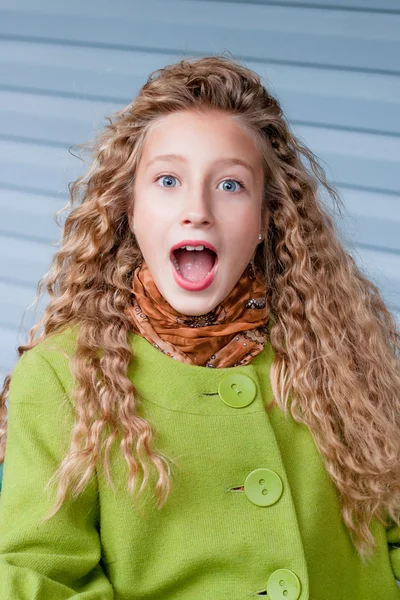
[(263, 487), (237, 390), (283, 584)]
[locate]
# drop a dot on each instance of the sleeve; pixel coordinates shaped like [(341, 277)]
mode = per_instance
[(393, 538), (58, 558)]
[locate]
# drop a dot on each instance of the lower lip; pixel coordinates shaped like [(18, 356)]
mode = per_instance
[(194, 286)]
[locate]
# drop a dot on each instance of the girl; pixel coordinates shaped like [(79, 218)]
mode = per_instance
[(212, 407)]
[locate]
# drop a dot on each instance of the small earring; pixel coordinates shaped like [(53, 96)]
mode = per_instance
[(260, 237)]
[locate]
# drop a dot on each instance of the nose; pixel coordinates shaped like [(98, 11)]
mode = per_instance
[(197, 209)]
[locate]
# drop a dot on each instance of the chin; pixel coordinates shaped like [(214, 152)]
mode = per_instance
[(194, 308)]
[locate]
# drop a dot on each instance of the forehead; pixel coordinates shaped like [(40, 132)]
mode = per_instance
[(206, 138), (228, 161)]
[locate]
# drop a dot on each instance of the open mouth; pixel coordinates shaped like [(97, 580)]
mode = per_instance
[(194, 265)]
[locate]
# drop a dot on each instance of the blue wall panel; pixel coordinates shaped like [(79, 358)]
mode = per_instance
[(334, 66)]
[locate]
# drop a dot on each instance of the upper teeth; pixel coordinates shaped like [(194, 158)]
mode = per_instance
[(193, 247)]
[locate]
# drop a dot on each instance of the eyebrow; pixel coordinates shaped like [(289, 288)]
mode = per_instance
[(221, 161)]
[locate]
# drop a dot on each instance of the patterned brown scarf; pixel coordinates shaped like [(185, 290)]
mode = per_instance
[(230, 335)]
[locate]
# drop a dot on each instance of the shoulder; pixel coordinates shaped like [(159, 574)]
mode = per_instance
[(51, 357), (57, 345), (47, 362)]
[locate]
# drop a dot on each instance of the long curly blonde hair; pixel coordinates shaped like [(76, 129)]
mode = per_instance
[(336, 365)]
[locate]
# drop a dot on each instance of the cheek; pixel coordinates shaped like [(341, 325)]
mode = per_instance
[(143, 217), (244, 228), (149, 230), (245, 212)]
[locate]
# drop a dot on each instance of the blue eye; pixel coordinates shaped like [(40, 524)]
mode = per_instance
[(166, 177), (236, 181)]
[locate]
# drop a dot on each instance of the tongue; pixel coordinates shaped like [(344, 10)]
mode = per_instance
[(194, 264)]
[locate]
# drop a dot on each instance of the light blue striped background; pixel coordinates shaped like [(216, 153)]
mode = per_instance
[(65, 65)]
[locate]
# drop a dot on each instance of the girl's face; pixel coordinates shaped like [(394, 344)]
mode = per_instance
[(198, 195)]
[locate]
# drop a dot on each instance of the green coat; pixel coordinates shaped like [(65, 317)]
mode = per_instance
[(252, 510)]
